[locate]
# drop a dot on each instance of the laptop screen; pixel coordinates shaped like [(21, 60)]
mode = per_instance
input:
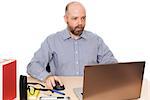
[(120, 81)]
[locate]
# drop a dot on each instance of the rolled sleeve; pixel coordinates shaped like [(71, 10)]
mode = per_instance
[(37, 72), (105, 56)]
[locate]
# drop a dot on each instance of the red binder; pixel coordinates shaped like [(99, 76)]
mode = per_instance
[(7, 79)]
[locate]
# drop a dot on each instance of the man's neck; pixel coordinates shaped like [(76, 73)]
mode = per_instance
[(74, 36)]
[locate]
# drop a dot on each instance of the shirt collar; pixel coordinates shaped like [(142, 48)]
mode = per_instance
[(84, 35), (66, 35)]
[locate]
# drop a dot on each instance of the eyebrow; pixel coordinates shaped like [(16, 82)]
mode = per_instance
[(77, 17)]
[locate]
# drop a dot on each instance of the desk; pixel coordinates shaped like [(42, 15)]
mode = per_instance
[(75, 82)]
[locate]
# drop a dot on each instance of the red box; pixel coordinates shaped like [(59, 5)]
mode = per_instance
[(7, 79)]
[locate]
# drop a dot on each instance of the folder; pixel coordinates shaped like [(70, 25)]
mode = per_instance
[(7, 79)]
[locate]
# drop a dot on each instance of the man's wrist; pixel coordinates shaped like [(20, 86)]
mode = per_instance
[(46, 78)]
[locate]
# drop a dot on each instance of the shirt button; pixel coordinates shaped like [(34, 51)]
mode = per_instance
[(76, 52), (77, 62), (77, 73)]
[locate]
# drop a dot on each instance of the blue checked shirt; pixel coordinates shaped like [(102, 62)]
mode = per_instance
[(67, 56)]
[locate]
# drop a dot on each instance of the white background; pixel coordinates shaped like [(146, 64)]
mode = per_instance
[(123, 24)]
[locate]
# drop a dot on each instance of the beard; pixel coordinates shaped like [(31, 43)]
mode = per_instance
[(76, 30)]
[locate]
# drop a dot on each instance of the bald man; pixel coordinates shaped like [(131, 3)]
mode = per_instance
[(65, 53)]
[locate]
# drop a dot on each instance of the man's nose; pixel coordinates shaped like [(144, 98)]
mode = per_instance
[(79, 22)]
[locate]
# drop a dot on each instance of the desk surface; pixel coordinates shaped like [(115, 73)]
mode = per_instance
[(75, 82)]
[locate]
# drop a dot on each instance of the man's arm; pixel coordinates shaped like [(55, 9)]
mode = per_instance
[(105, 56), (37, 67)]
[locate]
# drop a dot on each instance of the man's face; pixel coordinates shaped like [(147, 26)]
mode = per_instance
[(75, 19)]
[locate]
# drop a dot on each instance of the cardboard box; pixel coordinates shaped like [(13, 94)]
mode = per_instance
[(7, 79)]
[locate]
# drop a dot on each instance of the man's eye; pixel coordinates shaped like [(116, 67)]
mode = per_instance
[(74, 18), (83, 18)]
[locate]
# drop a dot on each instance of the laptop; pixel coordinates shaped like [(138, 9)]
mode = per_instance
[(119, 81)]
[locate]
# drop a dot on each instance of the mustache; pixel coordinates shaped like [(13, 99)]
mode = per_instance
[(79, 26)]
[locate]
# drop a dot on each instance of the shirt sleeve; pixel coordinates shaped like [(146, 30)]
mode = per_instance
[(37, 67), (105, 56)]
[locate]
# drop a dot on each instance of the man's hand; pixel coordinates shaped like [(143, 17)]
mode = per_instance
[(50, 81)]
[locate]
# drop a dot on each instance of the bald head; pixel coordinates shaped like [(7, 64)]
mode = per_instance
[(74, 6), (75, 17)]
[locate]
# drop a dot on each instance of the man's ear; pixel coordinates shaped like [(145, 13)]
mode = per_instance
[(65, 18)]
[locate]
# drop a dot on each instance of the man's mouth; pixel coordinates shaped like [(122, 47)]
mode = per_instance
[(79, 28)]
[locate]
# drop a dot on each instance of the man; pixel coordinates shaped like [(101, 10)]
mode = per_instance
[(68, 51)]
